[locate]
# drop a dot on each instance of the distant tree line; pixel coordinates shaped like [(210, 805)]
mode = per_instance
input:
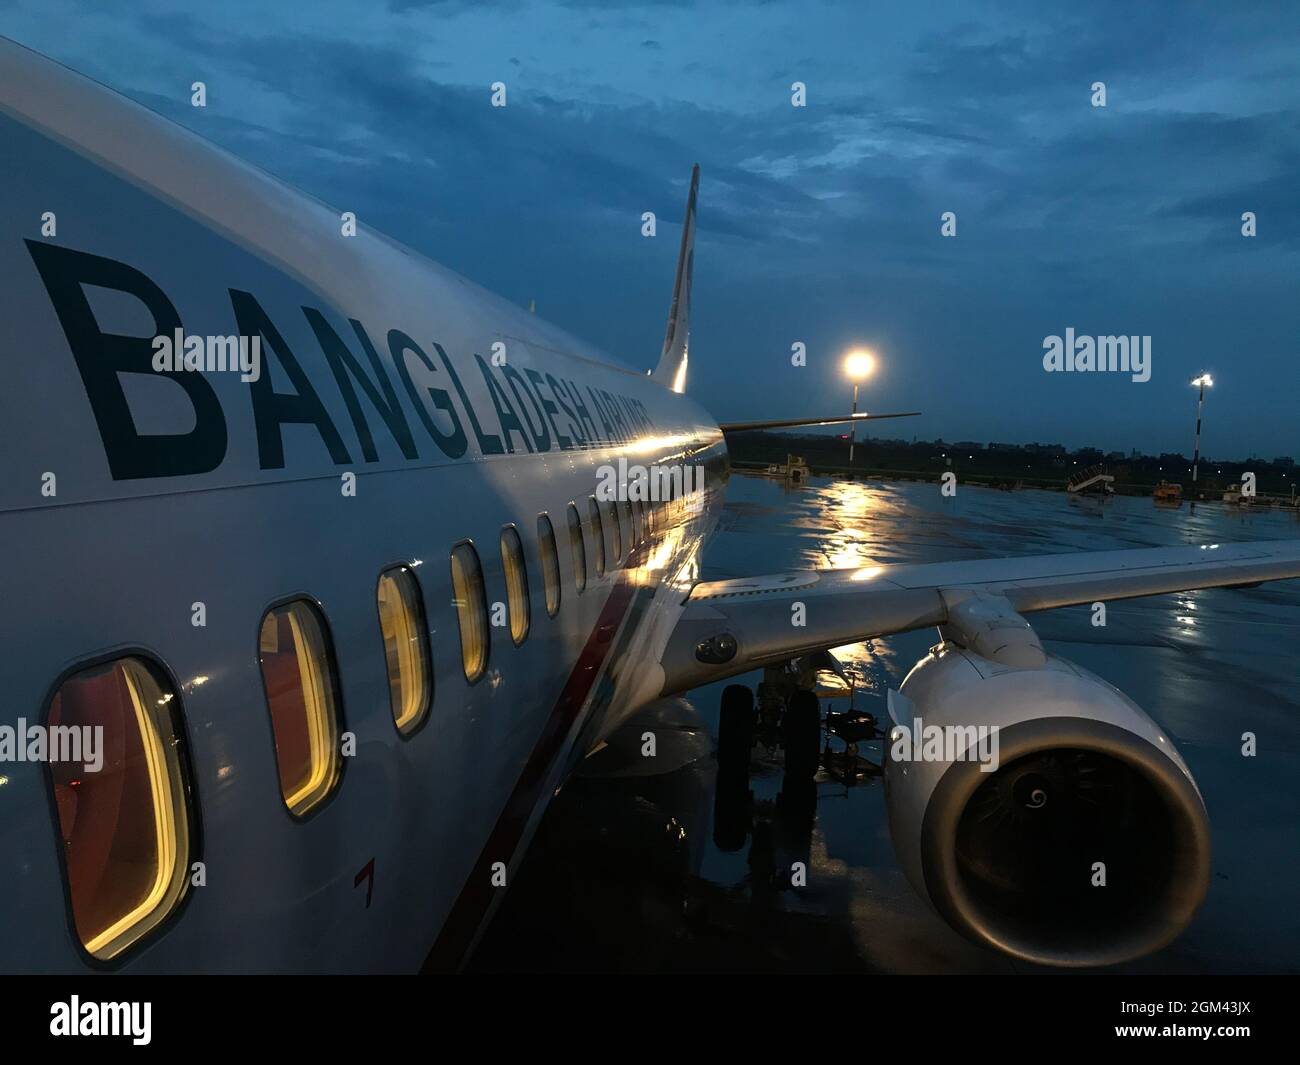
[(1046, 465)]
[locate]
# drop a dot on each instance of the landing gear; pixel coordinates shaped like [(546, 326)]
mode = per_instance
[(736, 729), (801, 735), (788, 716)]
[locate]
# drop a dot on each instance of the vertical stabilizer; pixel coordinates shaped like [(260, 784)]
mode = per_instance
[(671, 371)]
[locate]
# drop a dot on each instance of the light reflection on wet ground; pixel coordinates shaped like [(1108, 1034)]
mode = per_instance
[(673, 872)]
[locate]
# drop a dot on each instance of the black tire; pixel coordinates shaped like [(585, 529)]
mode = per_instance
[(735, 728), (801, 735), (733, 811)]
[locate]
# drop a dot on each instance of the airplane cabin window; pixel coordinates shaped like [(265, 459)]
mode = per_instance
[(302, 694), (471, 609), (124, 824), (624, 509), (616, 535), (549, 557), (597, 535), (512, 563), (578, 549), (406, 648)]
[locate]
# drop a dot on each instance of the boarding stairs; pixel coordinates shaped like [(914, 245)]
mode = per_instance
[(1094, 477)]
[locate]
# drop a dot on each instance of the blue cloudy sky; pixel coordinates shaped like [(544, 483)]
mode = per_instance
[(818, 224)]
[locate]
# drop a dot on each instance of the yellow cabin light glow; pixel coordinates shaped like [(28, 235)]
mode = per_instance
[(125, 827), (401, 622), (296, 660), (471, 609), (516, 574)]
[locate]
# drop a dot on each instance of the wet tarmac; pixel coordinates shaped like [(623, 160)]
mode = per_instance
[(665, 868)]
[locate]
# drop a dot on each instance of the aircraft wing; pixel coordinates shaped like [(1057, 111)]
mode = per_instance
[(787, 423), (780, 616)]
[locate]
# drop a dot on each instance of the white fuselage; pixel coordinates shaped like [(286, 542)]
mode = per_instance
[(225, 496)]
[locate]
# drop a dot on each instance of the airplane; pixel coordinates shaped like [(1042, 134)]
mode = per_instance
[(331, 590)]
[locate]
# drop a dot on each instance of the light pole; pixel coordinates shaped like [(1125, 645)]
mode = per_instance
[(1200, 382), (858, 366)]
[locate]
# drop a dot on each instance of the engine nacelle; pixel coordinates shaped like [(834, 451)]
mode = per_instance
[(1085, 843)]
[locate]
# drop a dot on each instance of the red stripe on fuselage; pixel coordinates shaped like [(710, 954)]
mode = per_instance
[(475, 897)]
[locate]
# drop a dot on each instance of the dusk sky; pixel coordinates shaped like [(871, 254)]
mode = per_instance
[(818, 224)]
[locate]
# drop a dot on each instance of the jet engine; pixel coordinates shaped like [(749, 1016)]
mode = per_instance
[(1034, 805)]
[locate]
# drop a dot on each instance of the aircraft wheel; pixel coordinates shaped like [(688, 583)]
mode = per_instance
[(801, 733), (736, 728)]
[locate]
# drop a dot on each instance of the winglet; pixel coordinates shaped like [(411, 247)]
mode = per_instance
[(671, 371)]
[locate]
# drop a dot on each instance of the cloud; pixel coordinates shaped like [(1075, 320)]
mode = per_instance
[(818, 223)]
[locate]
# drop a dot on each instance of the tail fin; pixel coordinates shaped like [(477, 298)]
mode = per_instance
[(671, 371)]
